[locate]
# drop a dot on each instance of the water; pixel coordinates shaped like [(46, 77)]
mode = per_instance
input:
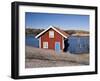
[(76, 44), (30, 40)]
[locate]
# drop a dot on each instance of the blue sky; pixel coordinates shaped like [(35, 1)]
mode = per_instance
[(63, 21)]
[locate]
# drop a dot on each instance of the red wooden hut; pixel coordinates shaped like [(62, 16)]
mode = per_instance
[(52, 38)]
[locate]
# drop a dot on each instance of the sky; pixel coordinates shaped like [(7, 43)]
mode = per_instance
[(63, 21)]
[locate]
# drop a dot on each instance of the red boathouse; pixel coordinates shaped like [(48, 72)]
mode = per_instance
[(52, 38)]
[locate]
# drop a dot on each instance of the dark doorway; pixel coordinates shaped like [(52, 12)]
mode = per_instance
[(66, 45)]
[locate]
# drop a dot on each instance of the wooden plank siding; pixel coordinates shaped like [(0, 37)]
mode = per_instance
[(51, 41)]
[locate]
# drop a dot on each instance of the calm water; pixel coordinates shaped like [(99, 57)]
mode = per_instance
[(79, 44), (31, 41), (76, 44)]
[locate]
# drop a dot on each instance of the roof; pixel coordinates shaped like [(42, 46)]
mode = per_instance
[(61, 32)]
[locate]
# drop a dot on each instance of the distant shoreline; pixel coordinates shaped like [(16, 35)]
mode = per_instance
[(81, 35), (29, 31)]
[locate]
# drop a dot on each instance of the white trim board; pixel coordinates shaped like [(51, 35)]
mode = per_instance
[(40, 42)]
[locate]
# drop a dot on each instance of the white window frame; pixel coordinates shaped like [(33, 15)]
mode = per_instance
[(45, 44), (51, 34)]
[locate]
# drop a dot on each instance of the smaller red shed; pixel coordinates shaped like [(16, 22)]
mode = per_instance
[(52, 38)]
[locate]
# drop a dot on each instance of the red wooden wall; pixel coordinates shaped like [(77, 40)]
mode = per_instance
[(51, 41)]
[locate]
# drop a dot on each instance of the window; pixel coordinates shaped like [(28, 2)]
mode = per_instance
[(45, 44), (51, 34)]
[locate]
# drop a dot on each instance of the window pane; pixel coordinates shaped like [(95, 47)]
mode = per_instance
[(51, 34), (45, 44)]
